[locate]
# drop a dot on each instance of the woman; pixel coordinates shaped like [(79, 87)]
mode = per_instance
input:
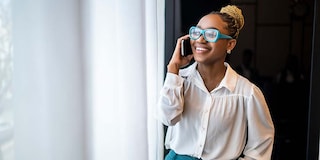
[(212, 112)]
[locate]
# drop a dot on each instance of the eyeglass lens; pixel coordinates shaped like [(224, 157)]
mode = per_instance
[(209, 34)]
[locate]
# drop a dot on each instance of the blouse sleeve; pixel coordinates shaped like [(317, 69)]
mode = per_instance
[(170, 103), (260, 128)]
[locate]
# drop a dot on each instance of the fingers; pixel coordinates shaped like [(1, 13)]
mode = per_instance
[(177, 60), (178, 45), (177, 51)]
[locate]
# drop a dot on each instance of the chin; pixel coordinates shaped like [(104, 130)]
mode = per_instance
[(199, 59)]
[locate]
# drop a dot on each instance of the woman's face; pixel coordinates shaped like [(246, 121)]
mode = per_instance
[(211, 52)]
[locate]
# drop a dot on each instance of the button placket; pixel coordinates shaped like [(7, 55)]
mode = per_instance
[(204, 124)]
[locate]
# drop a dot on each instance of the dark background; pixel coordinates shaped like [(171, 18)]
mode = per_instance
[(283, 36)]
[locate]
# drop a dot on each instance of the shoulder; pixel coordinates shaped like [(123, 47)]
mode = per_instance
[(245, 87)]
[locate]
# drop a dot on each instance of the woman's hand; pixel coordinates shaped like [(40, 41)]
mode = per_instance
[(177, 60)]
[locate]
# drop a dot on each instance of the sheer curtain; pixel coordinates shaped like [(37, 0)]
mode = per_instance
[(125, 74), (86, 79), (6, 109)]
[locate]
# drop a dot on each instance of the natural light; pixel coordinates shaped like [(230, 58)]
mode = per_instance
[(85, 79)]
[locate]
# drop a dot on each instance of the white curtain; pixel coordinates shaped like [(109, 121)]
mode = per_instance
[(125, 73), (48, 78), (86, 79), (6, 68)]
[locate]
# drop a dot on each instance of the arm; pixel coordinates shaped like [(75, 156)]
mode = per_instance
[(177, 61), (171, 101), (170, 104), (260, 128)]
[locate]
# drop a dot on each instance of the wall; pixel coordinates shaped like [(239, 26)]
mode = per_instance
[(272, 32)]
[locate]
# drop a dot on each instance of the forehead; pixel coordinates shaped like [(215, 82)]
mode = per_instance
[(212, 21)]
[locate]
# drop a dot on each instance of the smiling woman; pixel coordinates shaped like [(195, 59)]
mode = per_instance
[(211, 111)]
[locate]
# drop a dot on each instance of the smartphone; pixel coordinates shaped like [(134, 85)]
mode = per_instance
[(186, 47)]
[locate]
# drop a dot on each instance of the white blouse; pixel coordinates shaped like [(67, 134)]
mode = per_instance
[(219, 125)]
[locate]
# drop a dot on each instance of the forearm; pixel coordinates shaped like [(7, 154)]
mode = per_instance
[(170, 104)]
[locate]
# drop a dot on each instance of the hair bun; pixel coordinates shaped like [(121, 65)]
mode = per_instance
[(236, 13)]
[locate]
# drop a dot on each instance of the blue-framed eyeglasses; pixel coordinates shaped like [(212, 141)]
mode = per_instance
[(210, 35)]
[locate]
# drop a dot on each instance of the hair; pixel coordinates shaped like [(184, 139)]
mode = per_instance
[(232, 15)]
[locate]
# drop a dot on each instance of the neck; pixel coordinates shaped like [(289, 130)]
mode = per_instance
[(212, 75)]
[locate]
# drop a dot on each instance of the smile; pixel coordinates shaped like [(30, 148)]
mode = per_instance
[(201, 49)]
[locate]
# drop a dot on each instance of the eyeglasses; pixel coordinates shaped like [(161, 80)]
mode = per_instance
[(210, 35)]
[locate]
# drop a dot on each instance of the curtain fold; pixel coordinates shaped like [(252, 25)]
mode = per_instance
[(154, 64), (47, 80), (125, 57), (86, 79), (6, 68)]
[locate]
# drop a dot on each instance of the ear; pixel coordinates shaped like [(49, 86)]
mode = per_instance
[(231, 44)]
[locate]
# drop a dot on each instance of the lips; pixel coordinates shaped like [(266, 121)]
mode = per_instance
[(201, 49)]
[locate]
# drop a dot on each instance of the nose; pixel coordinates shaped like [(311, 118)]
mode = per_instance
[(201, 39)]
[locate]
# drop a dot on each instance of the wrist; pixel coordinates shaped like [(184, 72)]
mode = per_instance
[(173, 68)]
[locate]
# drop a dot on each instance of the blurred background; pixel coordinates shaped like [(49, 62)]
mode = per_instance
[(274, 50), (79, 79)]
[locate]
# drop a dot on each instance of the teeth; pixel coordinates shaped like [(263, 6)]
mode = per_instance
[(200, 49)]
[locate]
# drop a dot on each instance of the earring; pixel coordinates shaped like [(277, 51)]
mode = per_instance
[(229, 51)]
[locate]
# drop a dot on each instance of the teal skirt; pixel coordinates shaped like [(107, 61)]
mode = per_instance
[(173, 156)]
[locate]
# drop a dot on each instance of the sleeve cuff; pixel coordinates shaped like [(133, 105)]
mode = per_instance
[(173, 80)]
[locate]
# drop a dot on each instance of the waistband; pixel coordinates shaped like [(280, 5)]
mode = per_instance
[(174, 156)]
